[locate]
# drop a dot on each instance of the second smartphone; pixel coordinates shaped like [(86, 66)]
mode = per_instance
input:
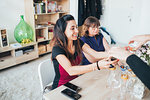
[(73, 87)]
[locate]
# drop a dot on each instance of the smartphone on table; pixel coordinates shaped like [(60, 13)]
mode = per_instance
[(73, 87), (71, 94)]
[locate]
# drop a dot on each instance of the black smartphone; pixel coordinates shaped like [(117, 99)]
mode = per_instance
[(73, 95), (73, 87), (113, 58)]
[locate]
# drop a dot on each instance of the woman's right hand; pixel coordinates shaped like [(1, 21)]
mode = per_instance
[(140, 39), (105, 63)]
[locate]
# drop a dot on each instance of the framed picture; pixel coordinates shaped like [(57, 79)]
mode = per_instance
[(51, 6), (3, 38)]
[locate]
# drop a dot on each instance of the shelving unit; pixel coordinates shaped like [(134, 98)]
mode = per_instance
[(42, 23), (42, 18), (10, 56)]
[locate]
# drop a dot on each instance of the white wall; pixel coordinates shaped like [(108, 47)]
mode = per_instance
[(74, 9), (145, 17), (126, 18), (10, 11), (116, 18)]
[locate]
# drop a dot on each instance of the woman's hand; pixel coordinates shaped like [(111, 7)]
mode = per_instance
[(120, 63), (105, 63), (119, 52), (140, 39)]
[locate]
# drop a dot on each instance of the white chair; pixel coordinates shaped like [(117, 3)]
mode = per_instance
[(46, 74)]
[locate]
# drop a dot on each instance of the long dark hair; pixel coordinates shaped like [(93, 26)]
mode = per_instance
[(89, 22), (60, 39)]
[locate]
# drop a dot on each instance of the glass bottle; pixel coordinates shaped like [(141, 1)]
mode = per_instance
[(131, 79), (124, 79), (113, 82), (113, 78), (23, 33)]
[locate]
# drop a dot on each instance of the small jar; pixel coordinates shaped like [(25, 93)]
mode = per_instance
[(132, 46)]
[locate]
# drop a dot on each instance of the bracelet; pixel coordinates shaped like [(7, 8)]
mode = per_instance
[(97, 65)]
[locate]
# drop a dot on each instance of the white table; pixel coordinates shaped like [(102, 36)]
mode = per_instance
[(93, 86)]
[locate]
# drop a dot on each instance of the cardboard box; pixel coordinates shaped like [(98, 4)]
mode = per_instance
[(48, 48), (42, 49), (18, 53), (50, 35)]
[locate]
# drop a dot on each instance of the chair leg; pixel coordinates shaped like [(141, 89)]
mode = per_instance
[(43, 98)]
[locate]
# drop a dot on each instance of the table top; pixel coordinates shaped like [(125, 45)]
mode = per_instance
[(93, 86)]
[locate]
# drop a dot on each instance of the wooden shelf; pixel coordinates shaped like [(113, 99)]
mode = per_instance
[(7, 62), (11, 48), (25, 45), (5, 49), (3, 59), (44, 53), (42, 25), (51, 13), (43, 40), (26, 57), (8, 55)]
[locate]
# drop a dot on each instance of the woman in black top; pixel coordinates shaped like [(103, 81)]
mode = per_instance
[(66, 53), (139, 67)]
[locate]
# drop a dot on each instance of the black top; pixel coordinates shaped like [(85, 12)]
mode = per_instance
[(140, 68), (61, 76)]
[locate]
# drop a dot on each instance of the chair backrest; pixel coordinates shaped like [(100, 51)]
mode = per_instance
[(46, 73)]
